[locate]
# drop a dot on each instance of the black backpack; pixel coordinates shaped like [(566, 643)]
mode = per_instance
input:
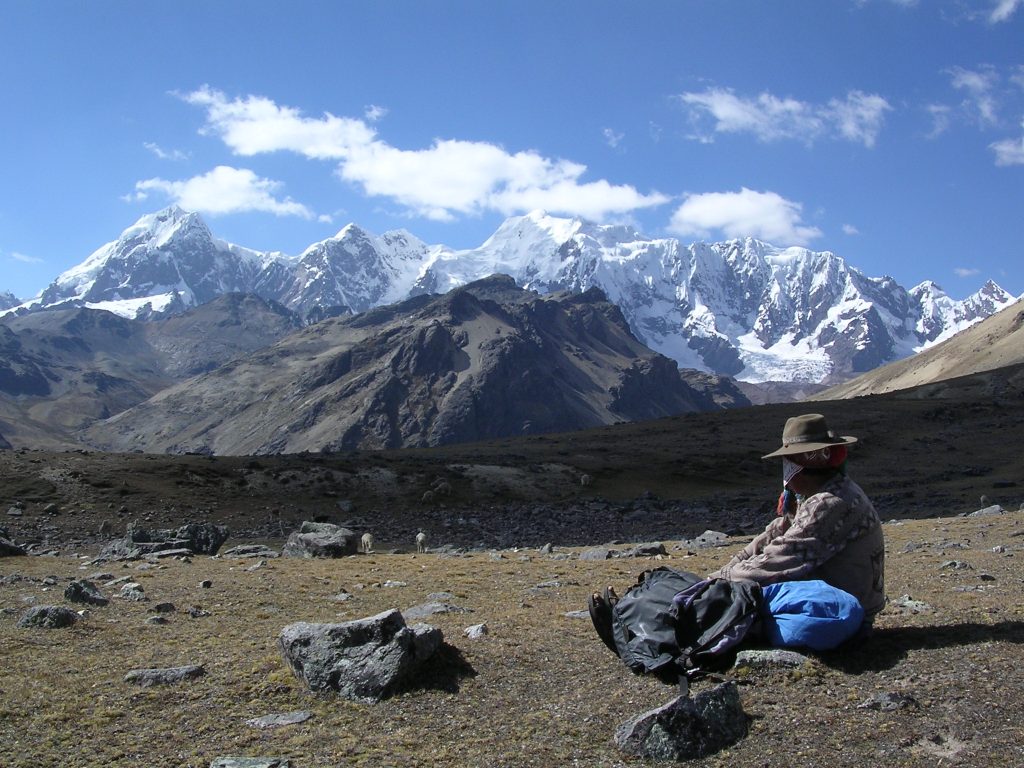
[(674, 625)]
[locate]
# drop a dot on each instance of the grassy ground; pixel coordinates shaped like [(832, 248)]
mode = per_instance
[(539, 690)]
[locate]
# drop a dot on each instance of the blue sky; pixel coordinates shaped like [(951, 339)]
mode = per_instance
[(890, 132)]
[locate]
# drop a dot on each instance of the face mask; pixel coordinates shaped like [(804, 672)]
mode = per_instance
[(789, 470)]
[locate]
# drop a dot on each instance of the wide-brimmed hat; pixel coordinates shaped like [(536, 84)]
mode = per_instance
[(806, 433)]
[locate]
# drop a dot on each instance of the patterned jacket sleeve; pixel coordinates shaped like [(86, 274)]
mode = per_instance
[(773, 530), (819, 530)]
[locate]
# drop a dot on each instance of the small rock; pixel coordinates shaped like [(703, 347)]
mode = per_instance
[(986, 577), (196, 612), (205, 584), (163, 608), (389, 584), (956, 565), (276, 720), (889, 702), (906, 604), (686, 728), (429, 609), (994, 509), (476, 631), (164, 676), (251, 762), (133, 591), (759, 659), (157, 620)]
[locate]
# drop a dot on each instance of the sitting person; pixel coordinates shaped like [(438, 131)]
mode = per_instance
[(826, 527)]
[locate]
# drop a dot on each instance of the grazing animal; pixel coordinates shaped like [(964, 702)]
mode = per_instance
[(366, 543), (421, 542)]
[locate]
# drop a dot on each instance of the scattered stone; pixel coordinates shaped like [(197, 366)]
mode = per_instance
[(133, 591), (766, 659), (994, 509), (83, 591), (998, 549), (48, 617), (321, 540), (205, 584), (440, 596), (577, 614), (362, 660), (986, 577), (14, 512), (183, 552), (889, 702), (51, 509), (651, 549), (956, 565), (389, 584), (163, 608), (906, 604), (709, 539), (342, 596), (250, 550), (165, 676), (423, 610), (276, 720), (476, 631), (251, 762), (547, 549), (157, 620), (686, 728), (197, 612), (258, 566), (9, 549)]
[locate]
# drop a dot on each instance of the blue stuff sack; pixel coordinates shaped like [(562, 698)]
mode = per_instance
[(809, 614)]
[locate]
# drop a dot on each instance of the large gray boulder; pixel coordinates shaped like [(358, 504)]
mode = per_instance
[(199, 538), (363, 660), (84, 591), (686, 728), (321, 540), (7, 547), (48, 617)]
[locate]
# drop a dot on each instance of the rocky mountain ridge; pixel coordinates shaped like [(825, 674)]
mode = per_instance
[(741, 308), (483, 361)]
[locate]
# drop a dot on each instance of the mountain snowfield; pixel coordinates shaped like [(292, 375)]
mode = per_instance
[(741, 308)]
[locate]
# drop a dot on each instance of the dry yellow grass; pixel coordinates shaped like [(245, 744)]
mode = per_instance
[(539, 690)]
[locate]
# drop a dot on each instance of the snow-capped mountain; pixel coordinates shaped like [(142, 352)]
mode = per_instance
[(743, 308), (8, 300)]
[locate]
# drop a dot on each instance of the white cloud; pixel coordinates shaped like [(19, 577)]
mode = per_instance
[(174, 154), (1009, 151), (224, 190), (858, 117), (24, 259), (941, 119), (979, 85), (765, 215), (966, 272), (254, 125), (449, 178), (374, 113), (849, 229), (612, 138), (1003, 10)]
